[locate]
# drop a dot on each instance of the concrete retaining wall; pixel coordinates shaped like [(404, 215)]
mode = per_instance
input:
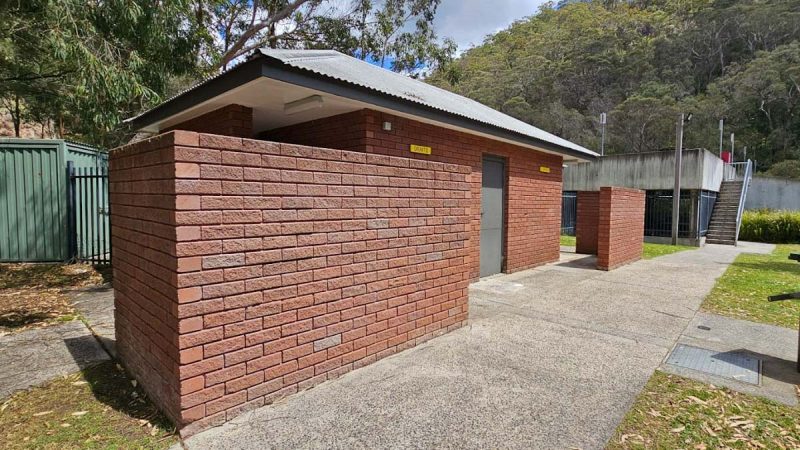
[(647, 171), (773, 193)]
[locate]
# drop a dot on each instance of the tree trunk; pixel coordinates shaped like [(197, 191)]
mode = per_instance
[(15, 116)]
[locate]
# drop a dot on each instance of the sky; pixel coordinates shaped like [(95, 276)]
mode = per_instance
[(468, 21)]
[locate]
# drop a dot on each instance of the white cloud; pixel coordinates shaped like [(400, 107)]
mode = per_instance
[(469, 21)]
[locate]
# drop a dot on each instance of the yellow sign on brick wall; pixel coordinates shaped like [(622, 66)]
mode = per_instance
[(420, 149), (544, 169)]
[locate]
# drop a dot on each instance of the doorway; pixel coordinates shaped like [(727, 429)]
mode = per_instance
[(493, 198)]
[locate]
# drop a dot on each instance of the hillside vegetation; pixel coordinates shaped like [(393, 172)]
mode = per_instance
[(643, 62)]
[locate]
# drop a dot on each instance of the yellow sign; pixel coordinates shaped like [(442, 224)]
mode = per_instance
[(544, 169), (420, 149)]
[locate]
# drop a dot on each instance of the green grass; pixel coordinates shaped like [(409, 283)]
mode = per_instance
[(655, 250), (675, 412), (97, 408), (742, 292), (650, 250), (568, 241)]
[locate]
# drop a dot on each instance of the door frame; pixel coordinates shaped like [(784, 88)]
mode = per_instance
[(504, 231)]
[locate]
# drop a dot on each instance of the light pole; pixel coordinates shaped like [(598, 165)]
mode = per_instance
[(676, 191), (733, 152), (721, 128), (602, 134)]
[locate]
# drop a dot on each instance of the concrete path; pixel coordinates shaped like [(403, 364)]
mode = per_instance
[(776, 347), (33, 357), (36, 356), (553, 358), (96, 305)]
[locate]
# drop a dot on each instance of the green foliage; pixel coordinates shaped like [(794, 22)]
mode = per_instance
[(786, 169), (85, 66), (643, 62), (777, 227)]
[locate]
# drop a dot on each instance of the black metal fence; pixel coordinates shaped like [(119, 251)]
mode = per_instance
[(569, 212), (707, 201), (658, 214), (88, 215)]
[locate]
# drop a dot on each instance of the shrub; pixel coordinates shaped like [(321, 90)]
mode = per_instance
[(777, 227)]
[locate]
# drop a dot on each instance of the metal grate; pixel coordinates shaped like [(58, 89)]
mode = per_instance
[(733, 365), (569, 212)]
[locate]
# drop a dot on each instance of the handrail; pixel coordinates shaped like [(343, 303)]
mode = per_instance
[(748, 175)]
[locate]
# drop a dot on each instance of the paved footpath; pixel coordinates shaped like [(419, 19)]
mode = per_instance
[(552, 358), (33, 357)]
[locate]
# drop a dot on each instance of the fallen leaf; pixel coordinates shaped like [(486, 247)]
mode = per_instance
[(79, 383), (697, 400), (65, 425), (43, 413), (654, 413), (678, 429), (79, 413)]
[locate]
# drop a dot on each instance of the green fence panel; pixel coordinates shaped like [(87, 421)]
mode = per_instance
[(33, 196)]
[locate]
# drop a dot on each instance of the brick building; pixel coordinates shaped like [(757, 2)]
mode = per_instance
[(306, 213)]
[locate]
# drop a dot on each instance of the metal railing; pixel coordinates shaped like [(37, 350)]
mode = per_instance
[(736, 171), (746, 170)]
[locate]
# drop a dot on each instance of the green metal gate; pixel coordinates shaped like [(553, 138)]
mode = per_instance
[(34, 182)]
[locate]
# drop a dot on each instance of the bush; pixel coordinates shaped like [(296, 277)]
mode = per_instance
[(776, 227)]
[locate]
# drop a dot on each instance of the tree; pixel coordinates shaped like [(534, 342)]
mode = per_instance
[(87, 65), (786, 169), (395, 33)]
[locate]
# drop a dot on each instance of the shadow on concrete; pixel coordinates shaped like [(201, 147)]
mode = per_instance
[(778, 369), (577, 261)]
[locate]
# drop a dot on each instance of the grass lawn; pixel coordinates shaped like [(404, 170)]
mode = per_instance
[(655, 250), (742, 292), (97, 408), (33, 294), (675, 412), (569, 241), (650, 250)]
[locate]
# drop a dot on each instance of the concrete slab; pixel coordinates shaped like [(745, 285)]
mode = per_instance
[(775, 346), (36, 356), (96, 306), (553, 358)]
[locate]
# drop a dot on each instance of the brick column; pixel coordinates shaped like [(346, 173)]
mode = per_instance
[(588, 204), (620, 231), (247, 270)]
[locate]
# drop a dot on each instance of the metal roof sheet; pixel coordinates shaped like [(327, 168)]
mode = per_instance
[(332, 64)]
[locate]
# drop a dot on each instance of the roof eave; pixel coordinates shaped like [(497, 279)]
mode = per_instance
[(266, 66)]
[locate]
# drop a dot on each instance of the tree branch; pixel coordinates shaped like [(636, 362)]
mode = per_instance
[(238, 47)]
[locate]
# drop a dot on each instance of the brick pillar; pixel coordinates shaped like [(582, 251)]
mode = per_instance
[(586, 222), (620, 230), (231, 120), (247, 270)]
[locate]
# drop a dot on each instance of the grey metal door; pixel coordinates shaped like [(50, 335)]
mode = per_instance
[(492, 213)]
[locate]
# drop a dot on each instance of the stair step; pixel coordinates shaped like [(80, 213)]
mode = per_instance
[(720, 241)]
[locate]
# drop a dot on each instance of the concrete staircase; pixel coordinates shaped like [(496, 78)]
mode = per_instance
[(722, 228)]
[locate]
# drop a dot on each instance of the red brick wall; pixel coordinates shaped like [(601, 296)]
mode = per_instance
[(246, 270), (231, 120), (588, 210), (534, 198), (620, 227)]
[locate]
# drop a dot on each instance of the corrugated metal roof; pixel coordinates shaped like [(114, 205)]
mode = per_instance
[(332, 64)]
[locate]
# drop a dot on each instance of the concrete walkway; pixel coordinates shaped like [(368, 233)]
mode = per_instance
[(776, 347), (33, 357), (553, 358)]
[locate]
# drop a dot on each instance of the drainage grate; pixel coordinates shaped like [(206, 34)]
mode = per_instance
[(734, 365)]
